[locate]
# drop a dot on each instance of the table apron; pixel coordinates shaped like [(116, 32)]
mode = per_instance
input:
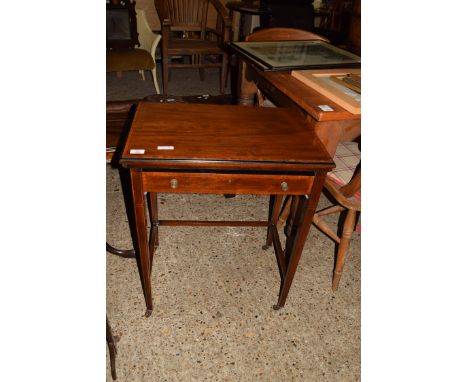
[(216, 183)]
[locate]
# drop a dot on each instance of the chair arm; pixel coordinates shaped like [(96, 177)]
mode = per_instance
[(219, 8), (225, 20), (354, 185), (154, 45), (214, 31)]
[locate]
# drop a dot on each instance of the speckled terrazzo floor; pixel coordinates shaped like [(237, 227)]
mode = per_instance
[(213, 290)]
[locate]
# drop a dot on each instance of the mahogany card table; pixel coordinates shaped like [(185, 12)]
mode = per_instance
[(224, 149)]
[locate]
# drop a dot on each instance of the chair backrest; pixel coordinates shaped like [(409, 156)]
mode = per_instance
[(145, 34), (283, 34), (183, 15)]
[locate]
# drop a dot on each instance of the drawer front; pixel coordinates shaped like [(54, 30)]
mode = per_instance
[(227, 183)]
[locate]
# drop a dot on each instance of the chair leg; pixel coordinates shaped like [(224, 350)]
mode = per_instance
[(196, 60), (223, 75), (343, 247), (201, 73), (142, 74), (165, 69), (155, 80)]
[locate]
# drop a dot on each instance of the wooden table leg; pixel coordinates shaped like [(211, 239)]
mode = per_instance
[(246, 87), (142, 238), (292, 214), (154, 233), (274, 210), (300, 229)]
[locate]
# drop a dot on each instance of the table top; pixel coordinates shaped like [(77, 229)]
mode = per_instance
[(220, 137), (288, 55)]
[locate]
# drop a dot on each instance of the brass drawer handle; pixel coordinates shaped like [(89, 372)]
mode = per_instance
[(174, 183), (284, 186)]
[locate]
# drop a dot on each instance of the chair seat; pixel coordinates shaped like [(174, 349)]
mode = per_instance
[(192, 46), (333, 187), (132, 59)]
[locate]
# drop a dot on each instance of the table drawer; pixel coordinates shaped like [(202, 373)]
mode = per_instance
[(227, 183)]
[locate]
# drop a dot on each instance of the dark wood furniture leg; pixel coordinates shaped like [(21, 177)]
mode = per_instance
[(246, 87), (295, 242), (165, 75), (292, 214), (154, 234), (112, 349), (274, 210), (140, 226)]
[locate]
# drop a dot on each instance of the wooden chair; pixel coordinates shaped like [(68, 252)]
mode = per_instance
[(203, 46), (142, 55), (344, 185)]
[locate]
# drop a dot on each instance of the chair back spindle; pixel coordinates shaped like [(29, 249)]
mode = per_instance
[(187, 15)]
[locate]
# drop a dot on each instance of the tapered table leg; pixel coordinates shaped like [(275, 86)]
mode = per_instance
[(274, 211), (292, 214), (142, 238), (154, 234), (300, 229)]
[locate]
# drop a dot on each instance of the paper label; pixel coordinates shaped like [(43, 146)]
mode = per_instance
[(137, 151), (325, 107), (165, 147)]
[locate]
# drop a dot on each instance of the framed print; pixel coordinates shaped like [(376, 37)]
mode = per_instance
[(289, 55)]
